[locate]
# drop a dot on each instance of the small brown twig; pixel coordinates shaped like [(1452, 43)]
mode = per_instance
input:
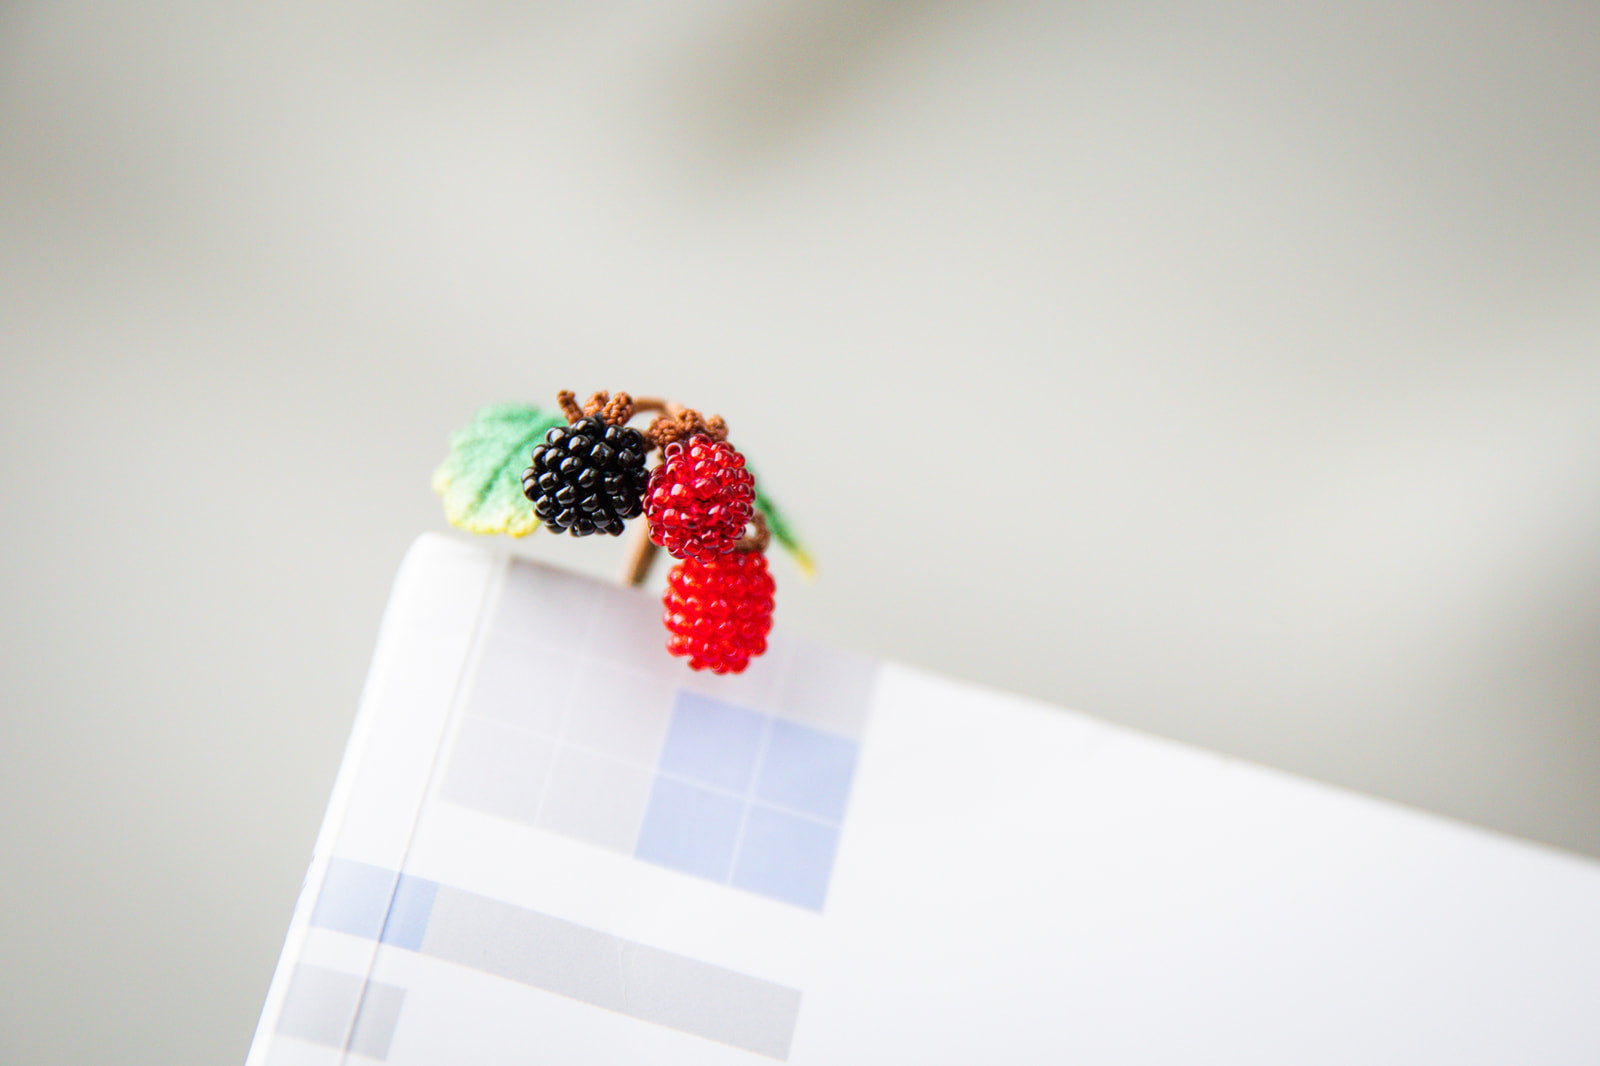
[(681, 423), (657, 404), (674, 422), (613, 410), (758, 540), (568, 402), (641, 556)]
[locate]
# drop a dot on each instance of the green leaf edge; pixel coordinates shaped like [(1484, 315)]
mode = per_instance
[(463, 515)]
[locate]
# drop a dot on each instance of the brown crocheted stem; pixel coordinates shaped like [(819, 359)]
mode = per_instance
[(655, 403), (756, 541), (641, 555), (568, 402), (675, 422), (613, 410), (676, 425)]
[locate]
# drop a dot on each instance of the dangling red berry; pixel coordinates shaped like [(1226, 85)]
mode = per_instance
[(699, 499), (719, 612)]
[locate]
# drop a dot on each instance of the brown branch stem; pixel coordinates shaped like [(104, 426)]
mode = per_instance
[(641, 556), (757, 541)]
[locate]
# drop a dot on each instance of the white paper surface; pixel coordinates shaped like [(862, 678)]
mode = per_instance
[(551, 842)]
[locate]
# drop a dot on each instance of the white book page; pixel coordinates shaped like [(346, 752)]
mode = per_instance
[(550, 841)]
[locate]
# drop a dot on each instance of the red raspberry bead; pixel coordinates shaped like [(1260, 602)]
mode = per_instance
[(719, 612), (699, 499)]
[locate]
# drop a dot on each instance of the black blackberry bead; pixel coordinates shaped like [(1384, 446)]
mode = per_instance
[(587, 477)]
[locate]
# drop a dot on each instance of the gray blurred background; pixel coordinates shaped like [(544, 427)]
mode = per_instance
[(1228, 371)]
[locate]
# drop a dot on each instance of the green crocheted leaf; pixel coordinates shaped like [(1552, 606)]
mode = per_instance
[(783, 532), (481, 479)]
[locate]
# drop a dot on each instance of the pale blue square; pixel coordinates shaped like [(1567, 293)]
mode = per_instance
[(354, 899), (408, 914), (712, 742), (807, 770), (690, 829), (785, 857)]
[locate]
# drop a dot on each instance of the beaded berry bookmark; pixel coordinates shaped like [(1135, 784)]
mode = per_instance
[(587, 474)]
